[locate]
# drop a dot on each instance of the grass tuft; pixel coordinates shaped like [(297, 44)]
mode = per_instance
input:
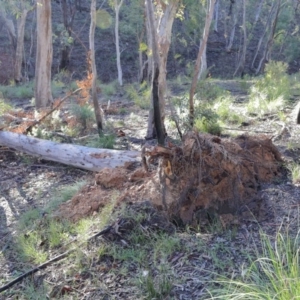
[(273, 275)]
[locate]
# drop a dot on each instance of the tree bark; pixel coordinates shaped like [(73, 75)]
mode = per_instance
[(97, 109), (9, 24), (156, 96), (42, 93), (216, 16), (208, 20), (20, 45), (229, 40), (117, 10), (203, 64), (260, 42), (68, 12), (266, 53), (241, 64), (164, 31), (82, 157)]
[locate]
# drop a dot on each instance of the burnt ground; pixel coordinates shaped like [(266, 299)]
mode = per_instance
[(128, 262)]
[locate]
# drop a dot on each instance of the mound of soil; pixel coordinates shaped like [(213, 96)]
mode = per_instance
[(204, 174)]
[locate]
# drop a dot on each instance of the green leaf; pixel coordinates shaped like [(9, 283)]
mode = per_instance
[(103, 19)]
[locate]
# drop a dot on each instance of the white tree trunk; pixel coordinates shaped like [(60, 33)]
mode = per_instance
[(9, 24), (203, 65), (82, 157), (266, 29), (20, 45), (242, 60), (42, 93), (208, 19), (232, 33), (216, 16), (164, 32), (97, 109), (117, 9)]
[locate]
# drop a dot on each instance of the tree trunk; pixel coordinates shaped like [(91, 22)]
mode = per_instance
[(216, 16), (266, 53), (149, 49), (94, 69), (162, 34), (156, 97), (20, 46), (164, 41), (267, 26), (203, 64), (9, 24), (117, 10), (42, 93), (241, 64), (68, 13), (209, 15), (229, 41), (82, 157)]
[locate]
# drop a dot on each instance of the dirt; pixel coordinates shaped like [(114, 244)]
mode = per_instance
[(265, 186)]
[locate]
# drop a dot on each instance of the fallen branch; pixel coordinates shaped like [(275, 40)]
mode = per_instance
[(54, 259), (29, 128), (247, 130), (92, 159)]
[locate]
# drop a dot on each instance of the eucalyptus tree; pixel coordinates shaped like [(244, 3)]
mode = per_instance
[(156, 97), (92, 62), (117, 6), (165, 12), (44, 55), (199, 61), (18, 11), (69, 10)]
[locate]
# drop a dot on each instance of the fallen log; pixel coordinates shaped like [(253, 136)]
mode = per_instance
[(92, 159)]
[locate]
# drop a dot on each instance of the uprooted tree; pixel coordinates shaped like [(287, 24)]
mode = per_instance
[(205, 174)]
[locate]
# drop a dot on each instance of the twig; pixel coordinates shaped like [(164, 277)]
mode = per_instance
[(174, 115), (248, 130), (51, 111), (49, 262)]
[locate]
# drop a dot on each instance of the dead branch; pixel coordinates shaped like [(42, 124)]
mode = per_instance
[(54, 259), (29, 128)]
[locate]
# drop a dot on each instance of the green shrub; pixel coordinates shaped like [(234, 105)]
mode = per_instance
[(4, 107), (22, 91), (223, 106), (206, 125), (141, 95), (259, 104), (109, 89), (274, 84), (208, 91), (84, 115), (106, 141)]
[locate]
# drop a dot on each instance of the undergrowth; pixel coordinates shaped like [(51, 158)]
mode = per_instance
[(139, 94), (271, 91), (274, 274)]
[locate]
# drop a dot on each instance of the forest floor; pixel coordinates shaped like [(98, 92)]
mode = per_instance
[(140, 255)]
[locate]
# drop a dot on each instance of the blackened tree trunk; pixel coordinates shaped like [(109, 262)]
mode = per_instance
[(155, 78)]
